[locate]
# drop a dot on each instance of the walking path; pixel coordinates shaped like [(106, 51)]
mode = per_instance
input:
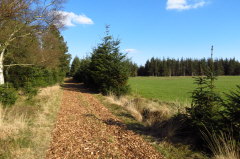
[(88, 130)]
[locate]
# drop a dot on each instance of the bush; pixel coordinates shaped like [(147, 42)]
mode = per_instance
[(29, 90), (35, 76), (29, 79), (8, 95)]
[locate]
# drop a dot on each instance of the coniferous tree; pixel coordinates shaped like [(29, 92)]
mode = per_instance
[(188, 67), (141, 71), (82, 74), (231, 112), (75, 66), (108, 71), (132, 68)]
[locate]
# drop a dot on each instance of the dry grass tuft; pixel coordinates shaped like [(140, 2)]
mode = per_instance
[(223, 146), (44, 121), (143, 110), (164, 126), (11, 123), (28, 136)]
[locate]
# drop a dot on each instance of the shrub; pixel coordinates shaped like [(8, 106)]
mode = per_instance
[(30, 90), (8, 95), (38, 76), (29, 79)]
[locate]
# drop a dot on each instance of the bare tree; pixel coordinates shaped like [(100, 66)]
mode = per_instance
[(22, 18)]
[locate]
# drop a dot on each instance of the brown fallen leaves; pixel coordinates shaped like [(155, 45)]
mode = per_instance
[(86, 129)]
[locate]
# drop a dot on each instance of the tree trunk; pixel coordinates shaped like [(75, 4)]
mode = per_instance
[(1, 69)]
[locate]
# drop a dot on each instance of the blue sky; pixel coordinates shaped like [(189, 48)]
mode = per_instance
[(155, 28)]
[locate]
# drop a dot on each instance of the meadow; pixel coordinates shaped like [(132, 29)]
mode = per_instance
[(176, 89)]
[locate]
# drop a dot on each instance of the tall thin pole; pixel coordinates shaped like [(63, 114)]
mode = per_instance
[(212, 59), (212, 69), (212, 53)]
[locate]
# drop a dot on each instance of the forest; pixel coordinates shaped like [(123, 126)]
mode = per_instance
[(188, 67)]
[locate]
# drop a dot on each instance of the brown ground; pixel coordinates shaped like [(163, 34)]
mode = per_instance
[(87, 129)]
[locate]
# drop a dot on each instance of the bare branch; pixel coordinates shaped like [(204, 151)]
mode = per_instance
[(11, 65)]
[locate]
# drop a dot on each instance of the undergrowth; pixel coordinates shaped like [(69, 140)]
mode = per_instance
[(167, 126), (158, 122), (25, 128)]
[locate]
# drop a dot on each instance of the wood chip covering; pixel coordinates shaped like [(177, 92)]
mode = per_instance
[(86, 129)]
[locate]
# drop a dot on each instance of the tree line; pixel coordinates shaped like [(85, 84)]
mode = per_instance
[(33, 52), (188, 67)]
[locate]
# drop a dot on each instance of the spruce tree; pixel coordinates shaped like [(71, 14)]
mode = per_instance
[(108, 71), (75, 66)]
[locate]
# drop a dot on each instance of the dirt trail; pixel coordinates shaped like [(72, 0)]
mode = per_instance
[(86, 129)]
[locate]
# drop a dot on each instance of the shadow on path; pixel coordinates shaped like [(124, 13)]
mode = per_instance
[(132, 124), (72, 85), (128, 122)]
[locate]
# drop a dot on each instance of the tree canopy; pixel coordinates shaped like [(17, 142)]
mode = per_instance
[(107, 70)]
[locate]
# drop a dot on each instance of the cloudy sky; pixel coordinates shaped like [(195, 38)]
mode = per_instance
[(155, 28)]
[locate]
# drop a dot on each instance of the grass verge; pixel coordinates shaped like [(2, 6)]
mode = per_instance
[(176, 88), (166, 126), (25, 128), (156, 122)]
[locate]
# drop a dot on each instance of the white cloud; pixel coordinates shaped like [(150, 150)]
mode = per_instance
[(130, 50), (72, 19), (184, 4)]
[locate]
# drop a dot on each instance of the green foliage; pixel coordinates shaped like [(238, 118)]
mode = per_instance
[(82, 75), (188, 67), (208, 109), (8, 95), (63, 58), (107, 70), (205, 111), (232, 111), (132, 67), (206, 105), (75, 66), (37, 76), (46, 58), (209, 112), (29, 90), (29, 79)]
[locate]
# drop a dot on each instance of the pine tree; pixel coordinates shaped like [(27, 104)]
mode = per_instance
[(108, 71), (75, 66), (231, 112)]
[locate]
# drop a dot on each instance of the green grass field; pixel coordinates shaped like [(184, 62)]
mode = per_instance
[(171, 89)]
